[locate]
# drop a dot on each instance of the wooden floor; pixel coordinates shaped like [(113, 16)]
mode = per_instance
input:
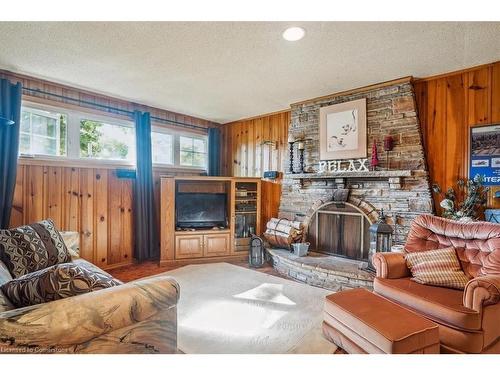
[(150, 268)]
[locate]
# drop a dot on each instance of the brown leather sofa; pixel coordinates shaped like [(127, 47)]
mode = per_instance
[(469, 320)]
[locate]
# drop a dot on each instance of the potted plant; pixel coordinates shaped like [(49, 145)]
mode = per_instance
[(474, 197)]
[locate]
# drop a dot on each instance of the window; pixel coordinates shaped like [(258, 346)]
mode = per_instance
[(193, 151), (51, 132), (162, 148), (42, 133), (100, 140)]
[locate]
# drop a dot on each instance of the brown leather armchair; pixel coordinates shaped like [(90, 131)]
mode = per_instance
[(469, 320)]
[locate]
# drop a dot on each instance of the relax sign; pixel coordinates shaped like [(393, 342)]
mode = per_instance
[(352, 165)]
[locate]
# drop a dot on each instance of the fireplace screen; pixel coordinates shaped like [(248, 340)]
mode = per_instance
[(342, 230)]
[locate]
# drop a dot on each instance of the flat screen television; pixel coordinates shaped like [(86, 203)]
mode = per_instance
[(201, 210)]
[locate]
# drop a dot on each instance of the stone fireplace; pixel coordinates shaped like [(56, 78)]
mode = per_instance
[(401, 187)]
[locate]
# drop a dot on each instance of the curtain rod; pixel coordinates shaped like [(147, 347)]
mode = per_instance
[(109, 108)]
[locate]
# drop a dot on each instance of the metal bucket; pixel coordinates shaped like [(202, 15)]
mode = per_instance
[(300, 249)]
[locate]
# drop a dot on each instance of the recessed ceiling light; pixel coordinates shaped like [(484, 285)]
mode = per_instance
[(293, 34)]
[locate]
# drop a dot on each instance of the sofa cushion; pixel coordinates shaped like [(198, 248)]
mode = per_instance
[(437, 267), (477, 243), (32, 247), (443, 305), (53, 283)]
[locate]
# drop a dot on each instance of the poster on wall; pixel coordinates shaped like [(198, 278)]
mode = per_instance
[(485, 154)]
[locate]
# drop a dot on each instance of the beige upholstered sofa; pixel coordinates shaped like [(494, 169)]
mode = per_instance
[(137, 317)]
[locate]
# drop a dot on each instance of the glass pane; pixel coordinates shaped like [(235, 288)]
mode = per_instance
[(25, 121), (199, 160), (25, 144), (186, 158), (43, 133), (199, 145), (42, 125), (162, 148), (186, 144), (106, 141), (43, 146)]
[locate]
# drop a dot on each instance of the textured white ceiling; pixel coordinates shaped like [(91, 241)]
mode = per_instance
[(223, 71)]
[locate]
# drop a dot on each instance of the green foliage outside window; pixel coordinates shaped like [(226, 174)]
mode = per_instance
[(90, 136)]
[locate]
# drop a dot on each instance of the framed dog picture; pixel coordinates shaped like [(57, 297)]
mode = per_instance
[(342, 131)]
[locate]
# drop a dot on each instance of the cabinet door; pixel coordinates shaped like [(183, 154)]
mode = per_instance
[(189, 246), (216, 244)]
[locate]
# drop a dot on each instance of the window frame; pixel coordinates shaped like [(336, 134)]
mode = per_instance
[(75, 116), (106, 120), (205, 141), (42, 112)]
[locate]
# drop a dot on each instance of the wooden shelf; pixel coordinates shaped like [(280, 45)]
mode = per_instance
[(206, 244)]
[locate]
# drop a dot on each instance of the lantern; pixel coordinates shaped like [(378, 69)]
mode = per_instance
[(380, 238), (256, 255)]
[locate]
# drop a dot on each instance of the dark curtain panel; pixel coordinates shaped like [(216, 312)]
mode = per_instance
[(10, 110), (145, 228), (214, 152)]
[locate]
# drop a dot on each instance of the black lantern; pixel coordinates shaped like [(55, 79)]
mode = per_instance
[(256, 255), (380, 238)]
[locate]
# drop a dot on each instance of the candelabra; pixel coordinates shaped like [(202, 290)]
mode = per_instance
[(301, 147), (290, 166)]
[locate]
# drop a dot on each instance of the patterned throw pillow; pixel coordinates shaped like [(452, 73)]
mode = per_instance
[(437, 267), (53, 283), (32, 247)]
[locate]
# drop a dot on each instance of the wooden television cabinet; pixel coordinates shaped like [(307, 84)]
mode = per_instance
[(200, 245)]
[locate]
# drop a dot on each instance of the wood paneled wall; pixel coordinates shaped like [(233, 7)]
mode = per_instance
[(252, 146), (92, 201), (448, 106), (86, 198)]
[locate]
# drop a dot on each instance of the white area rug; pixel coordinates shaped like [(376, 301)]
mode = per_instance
[(229, 309)]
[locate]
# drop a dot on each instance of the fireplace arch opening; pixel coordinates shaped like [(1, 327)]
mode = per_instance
[(340, 229)]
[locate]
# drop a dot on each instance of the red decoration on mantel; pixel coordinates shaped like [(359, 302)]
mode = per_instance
[(374, 161)]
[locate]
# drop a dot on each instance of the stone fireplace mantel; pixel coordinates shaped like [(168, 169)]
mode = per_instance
[(347, 174)]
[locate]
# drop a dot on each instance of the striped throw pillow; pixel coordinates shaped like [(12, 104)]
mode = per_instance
[(437, 267)]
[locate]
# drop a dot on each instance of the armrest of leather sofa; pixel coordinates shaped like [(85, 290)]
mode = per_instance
[(390, 265), (482, 291), (76, 320)]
